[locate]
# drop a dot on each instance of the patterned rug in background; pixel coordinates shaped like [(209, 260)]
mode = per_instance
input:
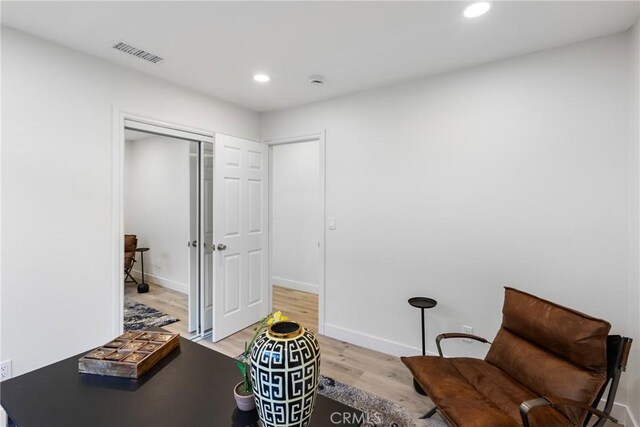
[(377, 411), (140, 316)]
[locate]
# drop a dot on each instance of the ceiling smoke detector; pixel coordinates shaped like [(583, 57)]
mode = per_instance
[(316, 80), (136, 51)]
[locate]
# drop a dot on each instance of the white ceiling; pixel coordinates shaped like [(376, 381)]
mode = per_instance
[(216, 47)]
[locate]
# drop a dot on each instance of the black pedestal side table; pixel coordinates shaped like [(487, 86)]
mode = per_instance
[(422, 303), (143, 287)]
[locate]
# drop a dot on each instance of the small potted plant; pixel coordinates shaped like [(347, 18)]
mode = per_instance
[(243, 391)]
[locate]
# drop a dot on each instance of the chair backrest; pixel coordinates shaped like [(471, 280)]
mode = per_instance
[(130, 246), (552, 350), (130, 242)]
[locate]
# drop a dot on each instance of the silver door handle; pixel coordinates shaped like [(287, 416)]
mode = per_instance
[(222, 246), (194, 244)]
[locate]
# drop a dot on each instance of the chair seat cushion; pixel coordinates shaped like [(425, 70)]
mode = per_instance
[(471, 392)]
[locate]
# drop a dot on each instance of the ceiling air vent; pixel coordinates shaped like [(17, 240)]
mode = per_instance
[(142, 54)]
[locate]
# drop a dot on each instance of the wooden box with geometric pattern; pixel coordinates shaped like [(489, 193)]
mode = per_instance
[(130, 355)]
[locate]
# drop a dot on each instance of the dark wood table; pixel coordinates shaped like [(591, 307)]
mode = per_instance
[(192, 386)]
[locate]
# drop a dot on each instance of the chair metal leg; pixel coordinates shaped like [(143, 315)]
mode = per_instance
[(129, 276), (430, 413), (418, 388)]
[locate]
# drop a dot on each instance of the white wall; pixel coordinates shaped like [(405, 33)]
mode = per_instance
[(508, 173), (157, 207), (633, 369), (57, 226), (514, 172), (296, 205)]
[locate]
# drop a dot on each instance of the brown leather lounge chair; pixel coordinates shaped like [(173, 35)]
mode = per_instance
[(130, 245), (548, 366)]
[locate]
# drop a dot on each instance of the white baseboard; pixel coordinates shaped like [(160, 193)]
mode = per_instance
[(624, 415), (298, 286), (158, 280), (369, 341), (620, 410)]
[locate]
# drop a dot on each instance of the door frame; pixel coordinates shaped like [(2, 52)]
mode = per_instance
[(203, 332), (320, 137), (119, 118)]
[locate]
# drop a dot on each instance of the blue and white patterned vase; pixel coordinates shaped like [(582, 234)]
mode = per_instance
[(285, 366)]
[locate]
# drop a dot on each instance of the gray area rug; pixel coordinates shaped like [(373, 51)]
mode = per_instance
[(138, 316), (377, 411)]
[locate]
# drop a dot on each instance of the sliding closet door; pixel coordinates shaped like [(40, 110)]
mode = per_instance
[(240, 233), (206, 235), (194, 254), (199, 241)]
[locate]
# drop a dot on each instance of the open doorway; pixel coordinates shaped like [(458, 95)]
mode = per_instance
[(159, 210), (297, 228), (167, 264)]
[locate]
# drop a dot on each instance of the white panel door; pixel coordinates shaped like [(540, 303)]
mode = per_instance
[(240, 203)]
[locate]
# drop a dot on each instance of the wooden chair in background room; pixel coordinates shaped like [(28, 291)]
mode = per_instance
[(130, 246)]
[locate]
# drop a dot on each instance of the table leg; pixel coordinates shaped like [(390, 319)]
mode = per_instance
[(424, 352), (142, 287), (416, 386)]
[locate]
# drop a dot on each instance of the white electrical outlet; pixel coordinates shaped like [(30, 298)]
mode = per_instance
[(467, 330), (5, 370)]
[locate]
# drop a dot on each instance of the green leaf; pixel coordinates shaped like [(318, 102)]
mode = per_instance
[(243, 367)]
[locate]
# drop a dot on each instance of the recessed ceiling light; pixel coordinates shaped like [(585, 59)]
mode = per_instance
[(262, 78), (476, 9)]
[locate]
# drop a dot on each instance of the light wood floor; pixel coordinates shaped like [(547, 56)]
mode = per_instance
[(365, 369), (368, 370)]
